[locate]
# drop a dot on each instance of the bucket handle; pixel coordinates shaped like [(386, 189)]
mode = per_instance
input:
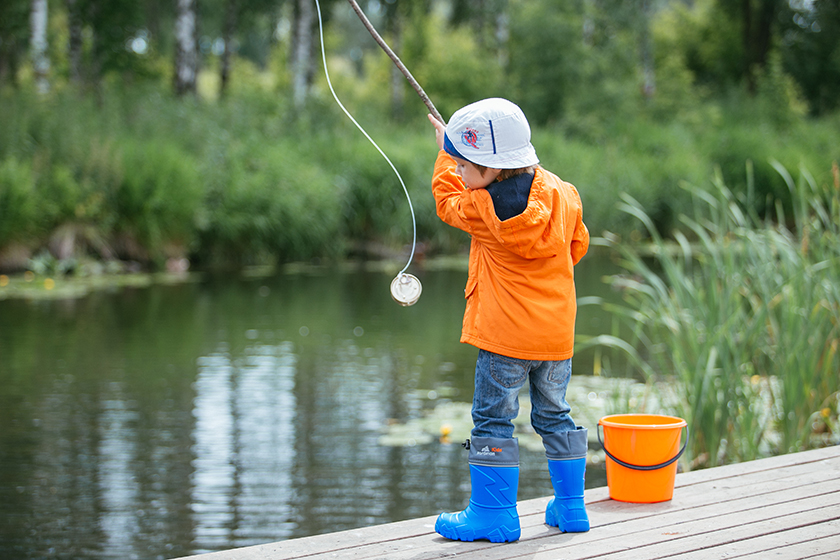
[(643, 467)]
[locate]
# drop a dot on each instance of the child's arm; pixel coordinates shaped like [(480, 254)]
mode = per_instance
[(580, 242), (452, 199), (440, 128), (580, 238)]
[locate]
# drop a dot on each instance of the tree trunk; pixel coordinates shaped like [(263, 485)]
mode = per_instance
[(186, 50), (746, 43), (153, 11), (502, 35), (227, 36), (302, 49), (646, 47), (38, 44), (74, 43), (93, 73), (757, 29), (764, 32), (8, 60)]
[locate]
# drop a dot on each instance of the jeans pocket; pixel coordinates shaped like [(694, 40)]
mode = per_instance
[(561, 372), (508, 372)]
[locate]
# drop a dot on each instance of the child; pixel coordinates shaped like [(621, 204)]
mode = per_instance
[(527, 234)]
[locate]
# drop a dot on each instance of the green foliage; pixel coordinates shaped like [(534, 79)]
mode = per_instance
[(156, 201), (812, 52), (14, 36), (18, 203), (268, 203), (704, 38), (743, 315), (546, 48), (244, 179), (791, 47), (746, 131), (457, 71)]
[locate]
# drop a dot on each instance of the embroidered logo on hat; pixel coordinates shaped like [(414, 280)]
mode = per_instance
[(471, 137)]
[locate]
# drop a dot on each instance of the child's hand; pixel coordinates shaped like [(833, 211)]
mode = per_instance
[(439, 130)]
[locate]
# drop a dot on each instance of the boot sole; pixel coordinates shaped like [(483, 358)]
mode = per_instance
[(576, 526), (467, 534)]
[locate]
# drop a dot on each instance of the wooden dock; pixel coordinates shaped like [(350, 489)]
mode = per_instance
[(785, 507)]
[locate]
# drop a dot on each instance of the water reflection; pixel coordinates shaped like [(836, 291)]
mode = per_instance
[(160, 422), (214, 476), (117, 455), (244, 448)]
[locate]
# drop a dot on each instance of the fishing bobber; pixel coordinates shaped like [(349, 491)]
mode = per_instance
[(406, 289)]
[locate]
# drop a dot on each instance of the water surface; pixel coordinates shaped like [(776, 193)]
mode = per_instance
[(172, 420)]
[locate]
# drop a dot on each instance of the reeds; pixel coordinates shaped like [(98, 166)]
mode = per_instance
[(738, 319)]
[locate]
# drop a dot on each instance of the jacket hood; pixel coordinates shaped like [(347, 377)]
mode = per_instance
[(539, 230)]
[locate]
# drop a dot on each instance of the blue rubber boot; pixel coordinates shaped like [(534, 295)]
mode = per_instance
[(491, 513), (566, 452)]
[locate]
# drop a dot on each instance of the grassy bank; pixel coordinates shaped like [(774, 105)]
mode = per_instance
[(141, 176), (737, 321)]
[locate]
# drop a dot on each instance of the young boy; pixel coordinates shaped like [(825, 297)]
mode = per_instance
[(527, 234)]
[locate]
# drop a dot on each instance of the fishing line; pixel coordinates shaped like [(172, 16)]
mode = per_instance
[(405, 288)]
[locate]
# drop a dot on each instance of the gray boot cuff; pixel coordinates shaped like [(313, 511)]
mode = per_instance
[(566, 445), (494, 452)]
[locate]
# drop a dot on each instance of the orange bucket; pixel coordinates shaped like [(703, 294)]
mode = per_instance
[(642, 452)]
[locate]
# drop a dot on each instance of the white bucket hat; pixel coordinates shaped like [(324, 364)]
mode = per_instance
[(492, 132)]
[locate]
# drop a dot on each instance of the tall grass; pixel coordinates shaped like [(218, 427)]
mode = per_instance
[(738, 319)]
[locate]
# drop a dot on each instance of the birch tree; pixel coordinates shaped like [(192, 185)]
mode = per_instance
[(228, 29), (74, 41), (302, 51), (646, 49), (38, 45), (186, 48)]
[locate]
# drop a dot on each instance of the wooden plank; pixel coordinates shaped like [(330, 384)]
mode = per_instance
[(534, 529), (759, 465), (331, 543), (688, 497), (633, 517), (717, 492), (717, 479), (714, 508), (665, 530), (804, 542), (827, 556), (724, 530)]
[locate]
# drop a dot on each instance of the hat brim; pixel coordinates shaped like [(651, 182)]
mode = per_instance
[(515, 159)]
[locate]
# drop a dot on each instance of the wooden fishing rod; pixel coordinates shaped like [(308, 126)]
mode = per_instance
[(397, 61)]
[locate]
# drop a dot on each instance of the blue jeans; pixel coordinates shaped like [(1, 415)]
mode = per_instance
[(498, 380)]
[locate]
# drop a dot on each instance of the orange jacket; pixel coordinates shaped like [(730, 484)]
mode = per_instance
[(520, 291)]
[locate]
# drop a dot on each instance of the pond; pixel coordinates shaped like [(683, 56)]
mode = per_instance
[(169, 420)]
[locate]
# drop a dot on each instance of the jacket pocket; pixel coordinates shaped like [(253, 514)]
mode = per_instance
[(471, 285)]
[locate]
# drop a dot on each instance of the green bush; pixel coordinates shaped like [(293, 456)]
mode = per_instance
[(157, 199), (18, 202), (266, 203), (546, 47)]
